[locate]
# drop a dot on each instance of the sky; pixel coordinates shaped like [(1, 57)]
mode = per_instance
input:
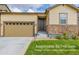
[(30, 7)]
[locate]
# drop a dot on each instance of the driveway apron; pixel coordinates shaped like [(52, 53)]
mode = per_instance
[(14, 45)]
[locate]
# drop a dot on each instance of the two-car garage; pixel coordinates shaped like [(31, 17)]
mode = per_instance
[(18, 24), (18, 29)]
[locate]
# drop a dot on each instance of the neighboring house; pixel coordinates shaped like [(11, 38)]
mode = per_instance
[(4, 8), (56, 20)]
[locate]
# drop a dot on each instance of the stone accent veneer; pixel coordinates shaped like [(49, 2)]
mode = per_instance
[(59, 29)]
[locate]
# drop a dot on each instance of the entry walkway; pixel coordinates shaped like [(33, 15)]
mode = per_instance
[(42, 34)]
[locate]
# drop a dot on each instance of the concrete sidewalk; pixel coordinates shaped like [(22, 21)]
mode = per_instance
[(14, 45)]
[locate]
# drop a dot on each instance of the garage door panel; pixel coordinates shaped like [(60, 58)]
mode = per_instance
[(20, 30)]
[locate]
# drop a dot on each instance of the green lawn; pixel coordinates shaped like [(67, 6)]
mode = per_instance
[(53, 47)]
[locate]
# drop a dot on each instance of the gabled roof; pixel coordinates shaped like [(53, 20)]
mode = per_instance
[(70, 5), (7, 7), (4, 7)]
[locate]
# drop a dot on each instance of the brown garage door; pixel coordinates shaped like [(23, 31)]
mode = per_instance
[(18, 29)]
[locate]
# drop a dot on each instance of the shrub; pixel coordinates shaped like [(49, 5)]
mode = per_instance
[(59, 37), (67, 36), (75, 37), (63, 36)]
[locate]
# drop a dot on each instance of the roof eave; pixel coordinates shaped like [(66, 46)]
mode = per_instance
[(71, 5)]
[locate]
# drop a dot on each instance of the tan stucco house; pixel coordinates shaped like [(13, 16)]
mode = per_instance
[(57, 19)]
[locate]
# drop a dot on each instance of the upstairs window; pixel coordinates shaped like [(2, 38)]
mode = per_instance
[(63, 18)]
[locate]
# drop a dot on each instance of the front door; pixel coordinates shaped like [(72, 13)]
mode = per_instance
[(41, 24)]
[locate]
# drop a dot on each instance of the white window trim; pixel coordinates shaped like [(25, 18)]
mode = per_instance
[(60, 20)]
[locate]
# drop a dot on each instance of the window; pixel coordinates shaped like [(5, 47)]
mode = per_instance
[(63, 18), (17, 23), (13, 23), (23, 23), (6, 23), (10, 23), (20, 23), (27, 23), (31, 23)]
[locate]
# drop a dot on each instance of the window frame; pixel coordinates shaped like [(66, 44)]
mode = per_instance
[(60, 19)]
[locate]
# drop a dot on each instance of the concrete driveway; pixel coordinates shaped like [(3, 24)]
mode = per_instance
[(14, 45)]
